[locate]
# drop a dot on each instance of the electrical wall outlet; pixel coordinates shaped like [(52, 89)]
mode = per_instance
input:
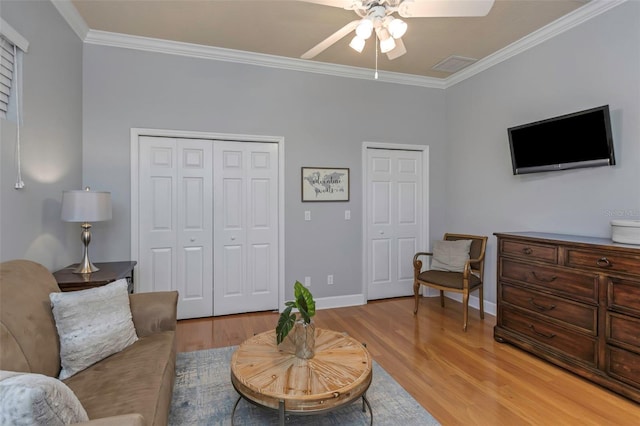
[(330, 279), (307, 281), (347, 215), (307, 215)]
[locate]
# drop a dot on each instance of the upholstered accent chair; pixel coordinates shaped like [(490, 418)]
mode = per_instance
[(464, 278)]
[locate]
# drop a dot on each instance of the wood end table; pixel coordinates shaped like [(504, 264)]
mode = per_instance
[(109, 272), (271, 376)]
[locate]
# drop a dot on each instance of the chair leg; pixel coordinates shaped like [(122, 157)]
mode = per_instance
[(416, 297), (465, 303), (481, 295), (442, 298)]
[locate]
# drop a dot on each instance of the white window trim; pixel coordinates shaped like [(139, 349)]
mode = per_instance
[(13, 36)]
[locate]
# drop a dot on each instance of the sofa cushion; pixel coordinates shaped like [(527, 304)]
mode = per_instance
[(450, 255), (92, 324), (138, 379), (28, 335), (34, 399)]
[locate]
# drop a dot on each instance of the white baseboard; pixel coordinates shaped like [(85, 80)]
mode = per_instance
[(340, 301), (489, 307), (358, 299)]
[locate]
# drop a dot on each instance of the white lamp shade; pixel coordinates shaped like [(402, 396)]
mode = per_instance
[(86, 206), (387, 44), (357, 44), (364, 29), (397, 28)]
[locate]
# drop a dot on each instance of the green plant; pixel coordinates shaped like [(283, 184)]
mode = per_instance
[(305, 305)]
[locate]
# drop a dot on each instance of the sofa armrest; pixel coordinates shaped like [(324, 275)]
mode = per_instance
[(134, 419), (154, 312)]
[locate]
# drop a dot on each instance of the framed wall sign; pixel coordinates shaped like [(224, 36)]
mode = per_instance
[(325, 184)]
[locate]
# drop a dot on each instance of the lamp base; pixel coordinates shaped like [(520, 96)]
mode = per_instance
[(85, 266)]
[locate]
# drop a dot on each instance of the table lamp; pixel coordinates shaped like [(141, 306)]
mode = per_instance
[(86, 206)]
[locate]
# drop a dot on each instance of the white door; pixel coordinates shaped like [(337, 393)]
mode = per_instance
[(175, 221), (246, 227), (394, 226)]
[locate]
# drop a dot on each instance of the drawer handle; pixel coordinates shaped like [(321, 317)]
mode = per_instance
[(548, 336), (527, 251), (541, 307), (603, 262), (544, 280)]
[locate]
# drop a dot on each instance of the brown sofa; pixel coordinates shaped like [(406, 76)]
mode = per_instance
[(132, 387)]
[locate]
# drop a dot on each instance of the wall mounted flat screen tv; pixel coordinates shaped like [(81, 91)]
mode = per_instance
[(580, 139)]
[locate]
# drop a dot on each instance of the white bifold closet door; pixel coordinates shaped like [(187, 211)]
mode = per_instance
[(208, 224), (246, 227), (176, 226)]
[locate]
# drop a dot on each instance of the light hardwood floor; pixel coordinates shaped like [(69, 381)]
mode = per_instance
[(460, 378)]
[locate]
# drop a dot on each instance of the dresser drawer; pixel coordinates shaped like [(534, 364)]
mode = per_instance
[(543, 252), (623, 330), (574, 344), (624, 295), (623, 365), (558, 280), (585, 317), (605, 261)]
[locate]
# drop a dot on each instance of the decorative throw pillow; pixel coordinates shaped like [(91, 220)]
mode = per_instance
[(92, 324), (35, 399), (450, 255)]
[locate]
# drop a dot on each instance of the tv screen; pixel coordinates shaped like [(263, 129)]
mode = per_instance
[(580, 139)]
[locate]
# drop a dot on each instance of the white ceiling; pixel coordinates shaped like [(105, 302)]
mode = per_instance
[(288, 28)]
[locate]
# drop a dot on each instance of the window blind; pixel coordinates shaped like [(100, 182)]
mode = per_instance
[(7, 61)]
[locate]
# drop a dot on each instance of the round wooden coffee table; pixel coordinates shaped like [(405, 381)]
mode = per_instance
[(273, 377)]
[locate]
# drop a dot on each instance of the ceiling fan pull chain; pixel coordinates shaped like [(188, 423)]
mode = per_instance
[(375, 76)]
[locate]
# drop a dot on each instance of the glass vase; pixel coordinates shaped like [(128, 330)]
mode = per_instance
[(304, 338)]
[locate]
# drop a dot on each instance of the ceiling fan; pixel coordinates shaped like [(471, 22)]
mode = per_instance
[(377, 16)]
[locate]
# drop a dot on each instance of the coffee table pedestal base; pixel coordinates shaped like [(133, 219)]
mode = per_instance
[(282, 413)]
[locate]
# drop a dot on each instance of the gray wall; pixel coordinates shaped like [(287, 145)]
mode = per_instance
[(594, 64), (323, 119), (30, 225)]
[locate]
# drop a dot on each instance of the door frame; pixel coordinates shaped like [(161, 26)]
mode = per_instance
[(424, 226), (136, 133)]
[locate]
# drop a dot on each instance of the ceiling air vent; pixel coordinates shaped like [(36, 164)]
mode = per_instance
[(453, 64)]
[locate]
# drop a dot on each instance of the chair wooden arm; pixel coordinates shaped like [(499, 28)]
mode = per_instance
[(417, 264), (467, 265), (466, 272)]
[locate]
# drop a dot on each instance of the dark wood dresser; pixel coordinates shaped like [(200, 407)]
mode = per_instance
[(573, 301)]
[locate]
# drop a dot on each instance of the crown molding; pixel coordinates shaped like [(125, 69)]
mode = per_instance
[(557, 27), (170, 47), (72, 16), (590, 10)]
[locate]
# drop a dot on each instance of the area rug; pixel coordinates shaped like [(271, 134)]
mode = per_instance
[(203, 395)]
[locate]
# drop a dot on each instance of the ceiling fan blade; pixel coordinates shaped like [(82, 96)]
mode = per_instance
[(397, 51), (444, 8), (333, 38), (345, 4)]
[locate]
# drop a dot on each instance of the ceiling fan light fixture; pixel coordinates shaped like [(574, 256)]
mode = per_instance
[(397, 27), (364, 29), (357, 44)]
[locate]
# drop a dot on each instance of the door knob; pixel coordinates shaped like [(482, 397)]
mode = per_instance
[(192, 239), (381, 232), (233, 238)]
